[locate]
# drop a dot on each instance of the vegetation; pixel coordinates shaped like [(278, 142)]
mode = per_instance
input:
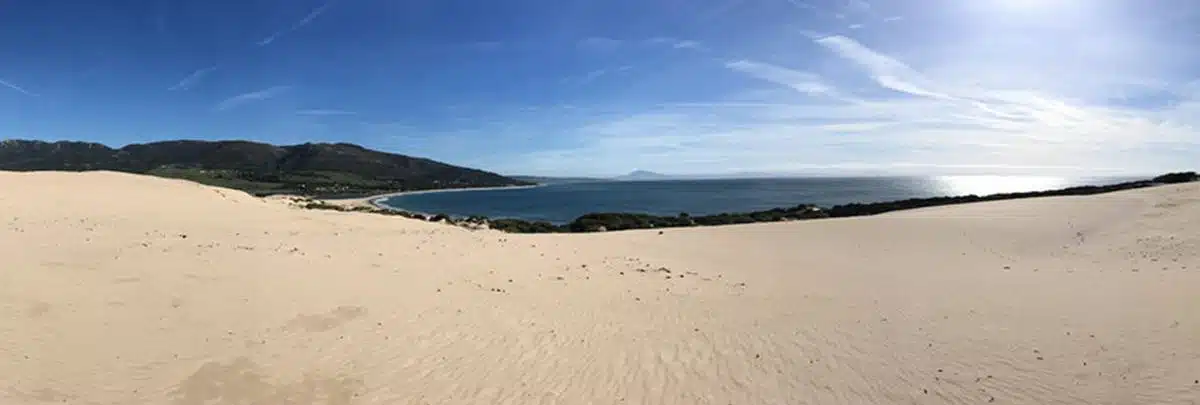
[(1180, 177), (853, 210), (323, 170), (601, 222), (522, 226), (622, 221)]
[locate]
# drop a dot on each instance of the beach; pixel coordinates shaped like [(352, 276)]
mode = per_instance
[(376, 200), (126, 289)]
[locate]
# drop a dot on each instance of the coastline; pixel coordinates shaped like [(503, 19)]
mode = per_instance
[(375, 200), (617, 221)]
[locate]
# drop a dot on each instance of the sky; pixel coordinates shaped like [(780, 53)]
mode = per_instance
[(602, 87)]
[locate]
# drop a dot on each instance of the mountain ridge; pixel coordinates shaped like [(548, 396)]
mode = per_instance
[(315, 169), (643, 175)]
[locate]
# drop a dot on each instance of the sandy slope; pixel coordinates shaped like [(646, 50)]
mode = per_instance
[(121, 289)]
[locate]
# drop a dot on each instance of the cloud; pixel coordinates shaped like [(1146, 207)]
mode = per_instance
[(904, 121), (675, 43), (325, 112), (17, 88), (242, 99), (805, 82), (593, 75), (599, 44), (596, 74), (312, 15), (893, 18), (861, 6), (685, 44), (193, 79), (855, 10), (854, 26), (888, 72), (803, 5)]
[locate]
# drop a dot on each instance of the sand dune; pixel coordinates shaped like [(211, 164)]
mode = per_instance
[(123, 289)]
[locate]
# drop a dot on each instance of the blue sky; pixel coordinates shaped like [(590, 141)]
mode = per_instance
[(598, 87)]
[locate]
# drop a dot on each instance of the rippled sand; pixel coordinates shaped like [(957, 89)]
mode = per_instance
[(123, 289)]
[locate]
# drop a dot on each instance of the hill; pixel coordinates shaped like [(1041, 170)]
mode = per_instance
[(316, 169), (643, 175)]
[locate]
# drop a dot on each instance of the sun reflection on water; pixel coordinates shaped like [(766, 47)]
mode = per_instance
[(985, 185)]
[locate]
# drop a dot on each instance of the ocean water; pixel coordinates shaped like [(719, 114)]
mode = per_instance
[(562, 203)]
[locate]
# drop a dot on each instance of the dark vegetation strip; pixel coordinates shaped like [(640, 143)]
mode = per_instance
[(601, 222), (319, 170)]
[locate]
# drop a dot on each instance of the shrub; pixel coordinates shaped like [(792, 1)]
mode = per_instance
[(1179, 177), (521, 226)]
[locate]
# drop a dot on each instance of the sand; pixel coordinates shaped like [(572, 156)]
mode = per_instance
[(124, 289)]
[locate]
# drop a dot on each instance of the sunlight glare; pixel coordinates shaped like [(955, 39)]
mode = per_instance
[(985, 185)]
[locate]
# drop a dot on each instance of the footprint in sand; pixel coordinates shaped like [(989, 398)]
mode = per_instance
[(244, 381), (327, 321), (38, 309)]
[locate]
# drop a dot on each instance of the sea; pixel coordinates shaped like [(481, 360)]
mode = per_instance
[(562, 203)]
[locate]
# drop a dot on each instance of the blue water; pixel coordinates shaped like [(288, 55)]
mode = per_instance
[(562, 203)]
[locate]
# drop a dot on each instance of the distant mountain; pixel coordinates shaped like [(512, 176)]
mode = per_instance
[(643, 175), (312, 169)]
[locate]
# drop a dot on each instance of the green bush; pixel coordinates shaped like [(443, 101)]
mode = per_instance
[(521, 226), (1179, 177)]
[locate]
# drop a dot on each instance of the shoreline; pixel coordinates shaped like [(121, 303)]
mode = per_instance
[(375, 200), (610, 221), (615, 221)]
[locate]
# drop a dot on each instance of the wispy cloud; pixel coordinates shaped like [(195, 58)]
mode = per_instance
[(325, 112), (855, 10), (193, 79), (888, 72), (893, 18), (242, 99), (858, 5), (17, 88), (312, 15), (675, 43), (687, 44), (596, 74), (599, 44), (593, 75), (903, 121), (803, 5), (805, 82)]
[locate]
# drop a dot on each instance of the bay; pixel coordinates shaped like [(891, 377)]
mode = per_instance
[(562, 203)]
